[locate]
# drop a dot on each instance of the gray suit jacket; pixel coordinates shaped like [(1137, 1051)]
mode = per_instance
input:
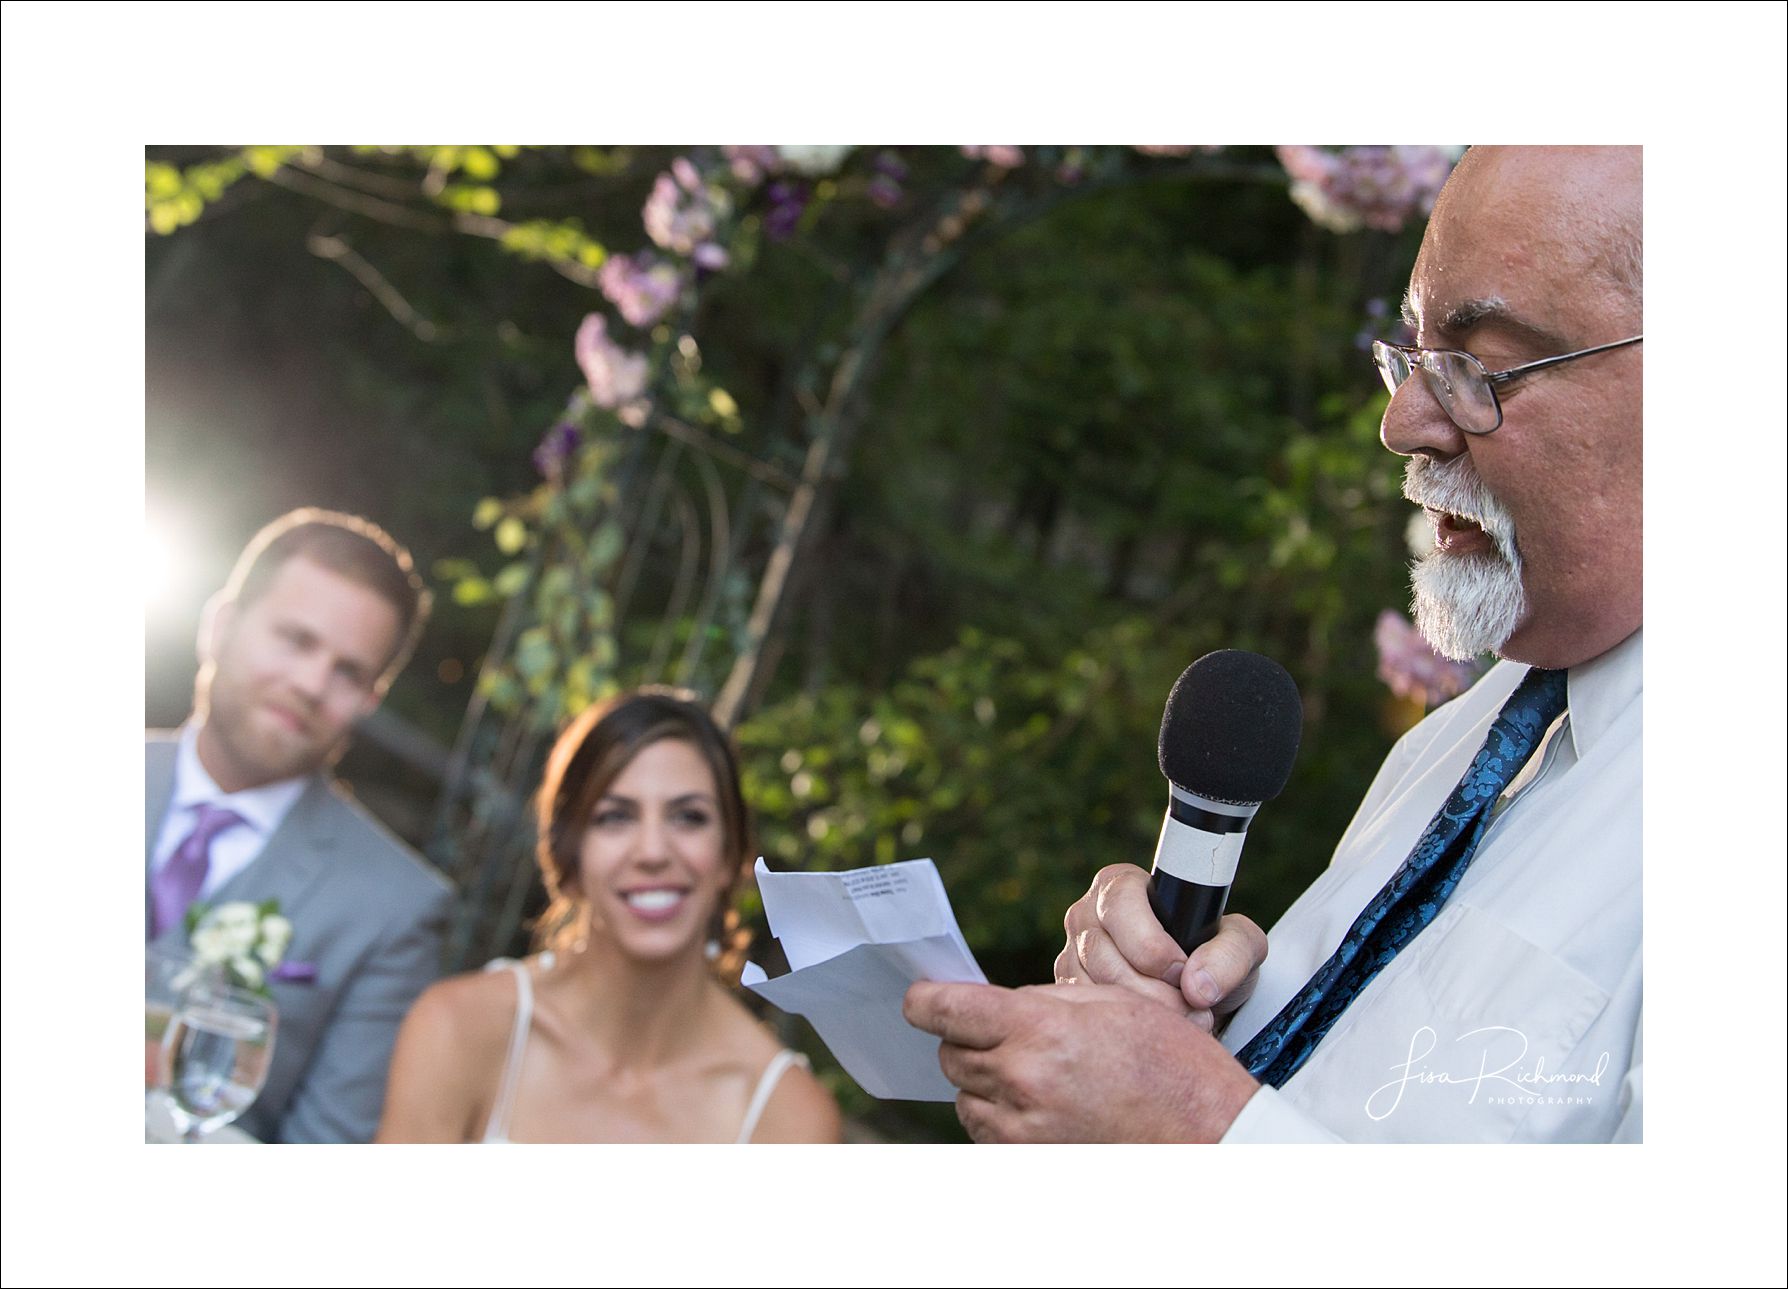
[(369, 914)]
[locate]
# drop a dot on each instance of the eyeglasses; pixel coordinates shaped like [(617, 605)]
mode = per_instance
[(1461, 384)]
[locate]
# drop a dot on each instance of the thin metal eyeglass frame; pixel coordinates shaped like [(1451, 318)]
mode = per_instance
[(1414, 354)]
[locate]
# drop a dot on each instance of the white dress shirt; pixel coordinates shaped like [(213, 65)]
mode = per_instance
[(1515, 1015), (262, 809)]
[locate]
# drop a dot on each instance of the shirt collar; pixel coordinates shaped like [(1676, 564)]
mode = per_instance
[(261, 808), (1599, 690)]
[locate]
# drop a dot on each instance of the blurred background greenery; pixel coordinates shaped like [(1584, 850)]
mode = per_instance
[(932, 467)]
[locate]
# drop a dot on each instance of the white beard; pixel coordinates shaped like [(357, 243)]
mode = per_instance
[(1465, 605)]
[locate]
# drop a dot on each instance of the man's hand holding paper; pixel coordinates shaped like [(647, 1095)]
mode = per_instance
[(854, 941)]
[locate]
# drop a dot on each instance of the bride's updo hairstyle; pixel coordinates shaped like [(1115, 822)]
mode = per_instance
[(589, 756)]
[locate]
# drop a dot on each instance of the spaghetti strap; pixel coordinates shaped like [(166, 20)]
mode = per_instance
[(496, 1128), (766, 1084)]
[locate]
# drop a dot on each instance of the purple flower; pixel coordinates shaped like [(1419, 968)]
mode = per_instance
[(643, 287), (297, 973), (1001, 155), (1411, 668), (787, 201), (556, 449), (884, 192), (1375, 187), (888, 174), (615, 376)]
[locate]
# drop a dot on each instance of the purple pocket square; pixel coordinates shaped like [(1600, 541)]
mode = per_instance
[(296, 973)]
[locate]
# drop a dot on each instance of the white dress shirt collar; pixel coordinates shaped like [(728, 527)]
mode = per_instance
[(1599, 690), (262, 808)]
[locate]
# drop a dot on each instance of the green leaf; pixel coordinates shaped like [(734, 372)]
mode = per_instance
[(605, 546), (585, 492), (512, 580), (555, 582), (481, 164), (471, 591), (502, 691), (161, 180), (487, 512), (511, 535), (265, 161), (534, 653), (453, 569), (477, 198)]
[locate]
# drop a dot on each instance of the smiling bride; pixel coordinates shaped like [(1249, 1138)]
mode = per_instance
[(619, 1030)]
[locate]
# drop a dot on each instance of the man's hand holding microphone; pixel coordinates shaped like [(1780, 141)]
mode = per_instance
[(1120, 1048)]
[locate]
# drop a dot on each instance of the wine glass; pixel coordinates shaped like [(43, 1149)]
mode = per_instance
[(216, 1053), (166, 972)]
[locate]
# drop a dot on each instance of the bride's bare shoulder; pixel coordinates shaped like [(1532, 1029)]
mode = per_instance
[(800, 1109), (448, 1054), (474, 1010)]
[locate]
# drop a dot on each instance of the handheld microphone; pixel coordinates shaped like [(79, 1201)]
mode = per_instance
[(1228, 738)]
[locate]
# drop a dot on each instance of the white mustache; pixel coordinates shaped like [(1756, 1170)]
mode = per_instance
[(1454, 487)]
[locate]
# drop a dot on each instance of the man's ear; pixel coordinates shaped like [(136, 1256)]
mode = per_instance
[(215, 620), (370, 703)]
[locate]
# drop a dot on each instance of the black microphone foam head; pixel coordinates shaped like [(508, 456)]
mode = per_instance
[(1231, 727)]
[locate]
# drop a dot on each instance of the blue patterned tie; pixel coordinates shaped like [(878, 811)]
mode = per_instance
[(1416, 891)]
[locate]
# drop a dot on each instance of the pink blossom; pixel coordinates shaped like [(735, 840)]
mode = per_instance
[(682, 212), (1376, 187), (751, 165), (643, 287), (615, 376), (1410, 666), (1001, 155)]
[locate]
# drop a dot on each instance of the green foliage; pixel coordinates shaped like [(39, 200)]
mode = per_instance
[(561, 240), (175, 198)]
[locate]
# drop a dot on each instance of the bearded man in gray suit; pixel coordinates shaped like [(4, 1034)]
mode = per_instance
[(318, 617)]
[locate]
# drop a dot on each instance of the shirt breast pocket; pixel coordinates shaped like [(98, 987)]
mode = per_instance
[(1460, 1038)]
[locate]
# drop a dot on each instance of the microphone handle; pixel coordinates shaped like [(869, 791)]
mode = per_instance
[(1190, 911)]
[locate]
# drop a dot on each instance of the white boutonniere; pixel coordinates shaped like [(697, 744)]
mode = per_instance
[(245, 942)]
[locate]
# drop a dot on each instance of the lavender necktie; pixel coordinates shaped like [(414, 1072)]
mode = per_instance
[(180, 879)]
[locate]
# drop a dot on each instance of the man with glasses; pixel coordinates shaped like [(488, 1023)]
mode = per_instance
[(1468, 967), (318, 617)]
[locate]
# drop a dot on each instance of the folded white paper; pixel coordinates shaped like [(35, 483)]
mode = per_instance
[(854, 942)]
